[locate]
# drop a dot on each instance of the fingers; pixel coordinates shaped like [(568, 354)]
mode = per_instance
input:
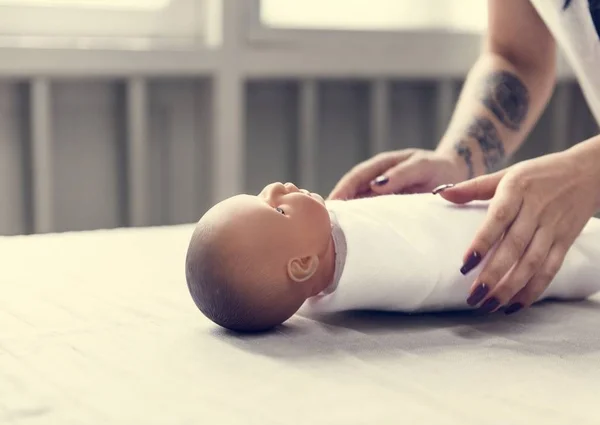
[(510, 250), (536, 286), (402, 178), (480, 188), (358, 179), (527, 266), (502, 211)]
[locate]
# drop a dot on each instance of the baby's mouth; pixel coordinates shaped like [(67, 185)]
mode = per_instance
[(317, 197), (313, 195)]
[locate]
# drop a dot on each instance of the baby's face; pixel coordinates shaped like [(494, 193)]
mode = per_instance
[(288, 222), (301, 209), (296, 217)]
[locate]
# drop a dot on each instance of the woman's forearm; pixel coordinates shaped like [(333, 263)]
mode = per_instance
[(586, 159), (499, 105)]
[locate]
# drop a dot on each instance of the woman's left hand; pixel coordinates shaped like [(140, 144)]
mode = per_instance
[(538, 209)]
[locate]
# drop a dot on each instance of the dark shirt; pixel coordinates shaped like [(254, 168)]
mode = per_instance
[(595, 11)]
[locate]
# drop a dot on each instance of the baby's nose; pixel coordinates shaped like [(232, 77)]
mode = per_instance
[(276, 189), (291, 187)]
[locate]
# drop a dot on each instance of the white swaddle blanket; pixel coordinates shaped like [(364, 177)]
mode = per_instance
[(403, 253)]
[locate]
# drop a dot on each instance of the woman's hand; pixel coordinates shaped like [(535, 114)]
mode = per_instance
[(403, 171), (538, 209)]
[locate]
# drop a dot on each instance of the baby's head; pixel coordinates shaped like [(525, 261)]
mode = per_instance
[(254, 260)]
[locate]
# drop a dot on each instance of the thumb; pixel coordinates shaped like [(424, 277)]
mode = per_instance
[(398, 178), (477, 189)]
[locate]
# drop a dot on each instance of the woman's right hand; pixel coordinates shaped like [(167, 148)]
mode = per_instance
[(402, 171)]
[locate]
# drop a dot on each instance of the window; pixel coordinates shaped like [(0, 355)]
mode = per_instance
[(102, 23), (375, 15), (97, 4)]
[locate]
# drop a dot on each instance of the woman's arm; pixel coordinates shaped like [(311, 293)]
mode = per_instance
[(506, 90), (504, 95)]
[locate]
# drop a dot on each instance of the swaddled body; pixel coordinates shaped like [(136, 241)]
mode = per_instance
[(254, 261), (400, 253)]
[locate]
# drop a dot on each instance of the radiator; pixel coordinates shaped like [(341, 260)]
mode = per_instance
[(77, 155)]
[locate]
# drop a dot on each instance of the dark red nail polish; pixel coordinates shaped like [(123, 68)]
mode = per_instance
[(489, 306), (381, 180), (472, 262), (513, 308), (441, 188), (477, 295)]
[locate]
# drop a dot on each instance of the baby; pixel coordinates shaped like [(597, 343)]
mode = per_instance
[(255, 261)]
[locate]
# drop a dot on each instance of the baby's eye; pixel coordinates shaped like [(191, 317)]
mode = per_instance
[(280, 211)]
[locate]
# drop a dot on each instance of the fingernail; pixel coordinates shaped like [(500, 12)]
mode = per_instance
[(381, 180), (489, 306), (513, 308), (441, 188), (477, 295), (471, 263)]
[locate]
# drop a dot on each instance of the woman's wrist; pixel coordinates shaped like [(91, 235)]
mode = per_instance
[(466, 158), (586, 158), (461, 164)]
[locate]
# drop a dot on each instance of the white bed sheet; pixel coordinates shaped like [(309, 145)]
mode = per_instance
[(98, 328)]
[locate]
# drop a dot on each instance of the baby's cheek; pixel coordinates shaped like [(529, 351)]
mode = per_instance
[(321, 225)]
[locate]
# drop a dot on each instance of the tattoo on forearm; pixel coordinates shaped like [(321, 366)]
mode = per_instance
[(507, 97), (464, 151), (491, 145)]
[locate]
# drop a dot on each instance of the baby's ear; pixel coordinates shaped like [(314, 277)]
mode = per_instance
[(302, 269)]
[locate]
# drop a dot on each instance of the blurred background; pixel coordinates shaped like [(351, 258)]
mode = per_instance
[(117, 113)]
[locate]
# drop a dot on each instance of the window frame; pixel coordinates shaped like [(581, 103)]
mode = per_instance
[(242, 48), (98, 28)]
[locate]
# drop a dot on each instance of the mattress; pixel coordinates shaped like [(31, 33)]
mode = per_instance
[(98, 328)]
